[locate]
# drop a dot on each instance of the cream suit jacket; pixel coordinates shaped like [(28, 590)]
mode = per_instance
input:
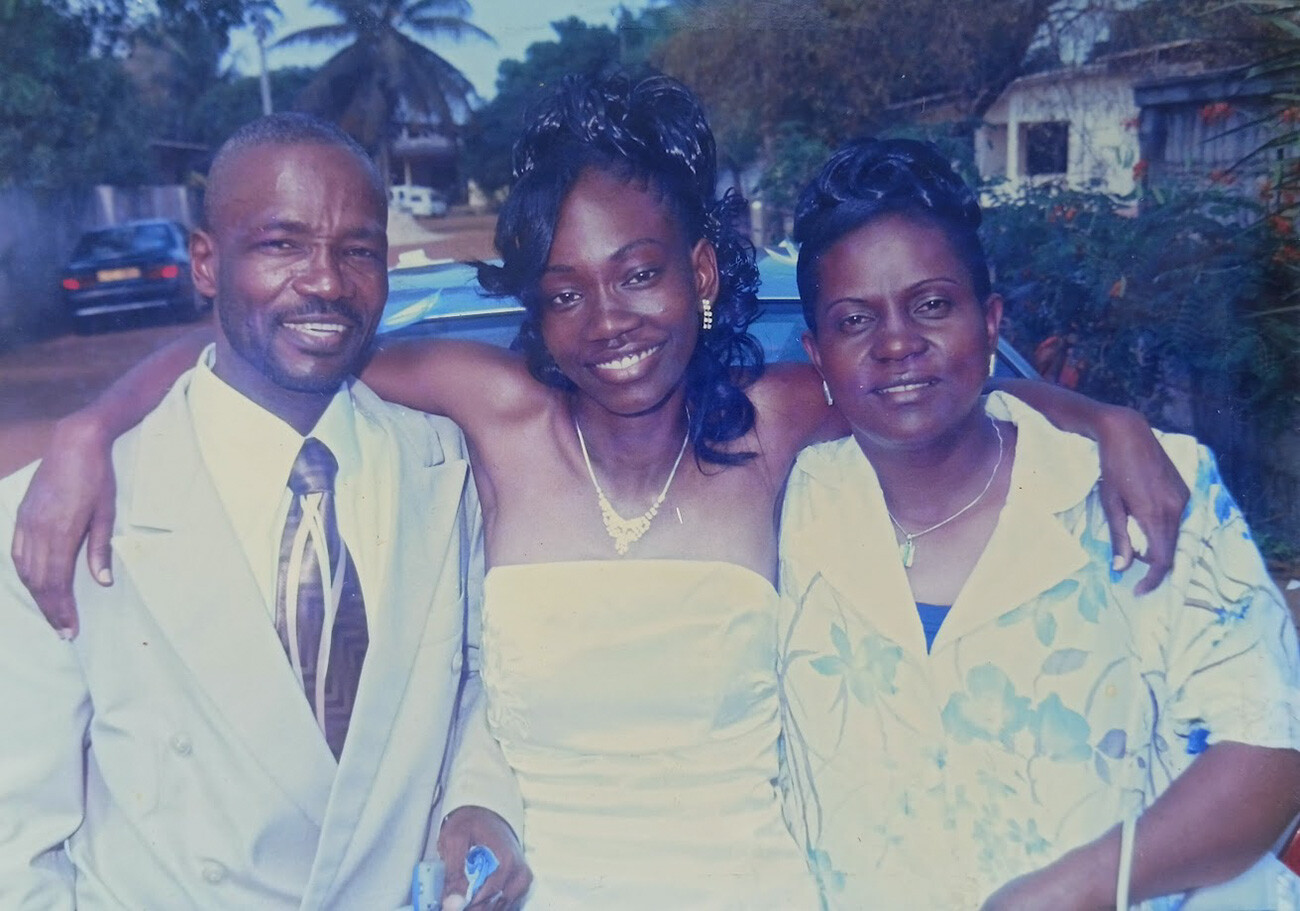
[(167, 759)]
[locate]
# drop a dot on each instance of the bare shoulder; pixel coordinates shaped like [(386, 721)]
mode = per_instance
[(791, 410)]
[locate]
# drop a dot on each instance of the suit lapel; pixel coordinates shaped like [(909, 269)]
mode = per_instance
[(423, 577), (182, 555)]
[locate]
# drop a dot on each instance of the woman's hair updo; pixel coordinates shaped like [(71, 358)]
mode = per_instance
[(872, 178), (652, 133)]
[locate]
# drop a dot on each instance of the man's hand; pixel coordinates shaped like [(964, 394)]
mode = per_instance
[(1138, 480), (505, 889), (70, 499)]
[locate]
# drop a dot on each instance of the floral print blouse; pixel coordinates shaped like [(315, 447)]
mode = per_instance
[(1054, 701)]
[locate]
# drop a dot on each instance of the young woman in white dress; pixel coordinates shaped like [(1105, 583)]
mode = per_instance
[(631, 464)]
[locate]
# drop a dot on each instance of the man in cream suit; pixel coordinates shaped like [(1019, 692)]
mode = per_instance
[(182, 751)]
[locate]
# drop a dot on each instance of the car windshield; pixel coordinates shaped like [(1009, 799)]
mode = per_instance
[(122, 240)]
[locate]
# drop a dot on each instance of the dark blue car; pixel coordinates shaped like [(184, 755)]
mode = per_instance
[(130, 267)]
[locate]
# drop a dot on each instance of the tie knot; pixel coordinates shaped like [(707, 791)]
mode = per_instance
[(314, 469)]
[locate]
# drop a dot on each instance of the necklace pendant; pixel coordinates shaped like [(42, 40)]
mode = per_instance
[(627, 532), (907, 551)]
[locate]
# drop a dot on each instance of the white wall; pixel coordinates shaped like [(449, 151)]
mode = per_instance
[(1102, 117)]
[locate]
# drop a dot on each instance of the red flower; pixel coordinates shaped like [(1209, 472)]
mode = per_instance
[(1140, 169), (1222, 176), (1291, 115), (1281, 225), (1217, 112)]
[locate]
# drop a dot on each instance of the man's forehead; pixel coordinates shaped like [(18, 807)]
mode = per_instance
[(257, 174)]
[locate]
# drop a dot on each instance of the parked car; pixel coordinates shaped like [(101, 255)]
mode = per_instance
[(423, 202), (444, 299), (134, 266)]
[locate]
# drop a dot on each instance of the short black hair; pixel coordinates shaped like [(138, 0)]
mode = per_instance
[(653, 133), (286, 128), (872, 178)]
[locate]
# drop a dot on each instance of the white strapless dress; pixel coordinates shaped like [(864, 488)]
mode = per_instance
[(636, 701)]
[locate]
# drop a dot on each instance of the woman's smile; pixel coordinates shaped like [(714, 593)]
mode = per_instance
[(627, 367)]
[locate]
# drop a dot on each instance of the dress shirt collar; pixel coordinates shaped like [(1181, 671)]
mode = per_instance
[(843, 530), (249, 451), (1052, 469)]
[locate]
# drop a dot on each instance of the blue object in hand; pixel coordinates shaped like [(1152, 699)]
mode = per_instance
[(480, 863)]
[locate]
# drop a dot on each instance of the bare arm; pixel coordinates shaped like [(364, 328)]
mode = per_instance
[(1138, 479), (1215, 820), (474, 384)]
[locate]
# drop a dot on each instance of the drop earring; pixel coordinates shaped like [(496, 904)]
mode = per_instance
[(993, 363), (826, 391), (706, 314)]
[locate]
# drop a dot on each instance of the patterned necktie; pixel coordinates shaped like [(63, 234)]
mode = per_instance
[(319, 612)]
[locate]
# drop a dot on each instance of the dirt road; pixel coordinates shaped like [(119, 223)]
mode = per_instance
[(44, 381)]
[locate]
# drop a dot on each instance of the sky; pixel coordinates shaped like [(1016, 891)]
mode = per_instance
[(514, 24)]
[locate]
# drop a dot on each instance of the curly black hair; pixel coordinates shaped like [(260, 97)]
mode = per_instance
[(871, 178), (651, 132)]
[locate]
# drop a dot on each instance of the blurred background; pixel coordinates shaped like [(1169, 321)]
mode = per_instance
[(1139, 161)]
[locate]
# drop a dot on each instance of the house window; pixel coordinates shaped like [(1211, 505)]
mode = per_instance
[(1047, 148)]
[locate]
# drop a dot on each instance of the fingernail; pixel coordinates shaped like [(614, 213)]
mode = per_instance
[(104, 576), (1117, 563), (66, 633)]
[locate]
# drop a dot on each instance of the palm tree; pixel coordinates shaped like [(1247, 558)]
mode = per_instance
[(385, 71)]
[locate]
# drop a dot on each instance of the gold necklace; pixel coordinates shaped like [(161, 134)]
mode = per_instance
[(906, 549), (627, 532)]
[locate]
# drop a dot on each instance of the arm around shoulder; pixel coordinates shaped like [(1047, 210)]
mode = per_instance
[(472, 383)]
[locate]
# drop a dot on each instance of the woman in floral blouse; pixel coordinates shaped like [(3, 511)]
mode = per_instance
[(975, 700)]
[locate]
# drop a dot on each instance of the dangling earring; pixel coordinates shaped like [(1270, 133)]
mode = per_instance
[(826, 391), (993, 363), (706, 314)]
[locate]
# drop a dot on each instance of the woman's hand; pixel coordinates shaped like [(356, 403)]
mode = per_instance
[(466, 827), (1139, 480), (70, 499)]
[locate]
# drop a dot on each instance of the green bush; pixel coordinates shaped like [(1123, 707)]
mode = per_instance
[(1181, 306)]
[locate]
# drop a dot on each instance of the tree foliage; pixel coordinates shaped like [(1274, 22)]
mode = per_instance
[(384, 70), (578, 47), (833, 68), (230, 103), (1179, 309), (175, 56), (67, 115)]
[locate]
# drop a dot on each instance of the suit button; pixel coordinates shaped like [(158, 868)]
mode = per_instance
[(214, 872), (181, 745), (456, 662)]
